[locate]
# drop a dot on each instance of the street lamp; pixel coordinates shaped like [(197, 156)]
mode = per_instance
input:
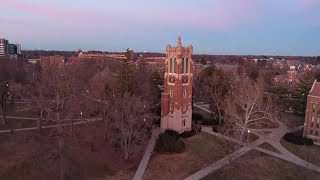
[(248, 135), (81, 115)]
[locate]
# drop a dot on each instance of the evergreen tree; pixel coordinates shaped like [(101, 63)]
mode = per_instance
[(125, 73)]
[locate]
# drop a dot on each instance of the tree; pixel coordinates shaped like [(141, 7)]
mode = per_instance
[(124, 72), (248, 107), (100, 92), (131, 122), (203, 61), (216, 87), (35, 93), (7, 71), (4, 88)]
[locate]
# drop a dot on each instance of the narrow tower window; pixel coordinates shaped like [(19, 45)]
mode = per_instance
[(187, 67), (170, 65), (175, 65), (183, 123), (182, 67)]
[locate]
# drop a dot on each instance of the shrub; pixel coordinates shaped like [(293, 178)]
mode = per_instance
[(297, 138), (187, 134), (196, 116), (215, 129), (169, 143), (172, 133)]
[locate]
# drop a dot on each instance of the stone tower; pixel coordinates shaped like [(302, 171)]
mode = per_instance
[(176, 100)]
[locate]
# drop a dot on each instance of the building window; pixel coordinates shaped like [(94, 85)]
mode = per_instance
[(170, 65), (182, 67), (184, 94), (187, 65), (171, 94), (183, 123)]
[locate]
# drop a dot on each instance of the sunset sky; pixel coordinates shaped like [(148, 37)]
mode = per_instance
[(269, 27)]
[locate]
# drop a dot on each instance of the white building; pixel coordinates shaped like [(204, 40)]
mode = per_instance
[(3, 47)]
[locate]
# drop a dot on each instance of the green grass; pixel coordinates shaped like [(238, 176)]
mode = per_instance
[(18, 123), (204, 114), (269, 147), (201, 151), (202, 146), (292, 120), (17, 171), (309, 153), (257, 165)]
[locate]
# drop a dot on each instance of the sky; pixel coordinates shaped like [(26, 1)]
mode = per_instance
[(235, 27)]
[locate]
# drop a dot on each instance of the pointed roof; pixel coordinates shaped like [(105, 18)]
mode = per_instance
[(179, 41)]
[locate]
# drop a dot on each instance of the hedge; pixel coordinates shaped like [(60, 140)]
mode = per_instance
[(297, 138)]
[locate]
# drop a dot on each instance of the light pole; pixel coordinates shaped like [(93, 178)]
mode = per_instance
[(248, 135), (81, 115)]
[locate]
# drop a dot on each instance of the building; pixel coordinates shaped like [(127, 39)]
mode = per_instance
[(312, 119), (176, 100), (49, 61), (12, 49), (99, 54), (292, 74), (4, 47)]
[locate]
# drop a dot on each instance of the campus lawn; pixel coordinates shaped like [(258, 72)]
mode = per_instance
[(292, 120), (258, 165), (201, 151), (309, 153), (31, 156)]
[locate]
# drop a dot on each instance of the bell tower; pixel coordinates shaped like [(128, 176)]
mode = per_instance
[(176, 100)]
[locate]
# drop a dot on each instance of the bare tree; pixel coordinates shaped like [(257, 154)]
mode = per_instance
[(248, 107), (131, 122), (100, 92), (7, 72), (216, 87)]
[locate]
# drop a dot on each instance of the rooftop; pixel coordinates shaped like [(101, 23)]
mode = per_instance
[(315, 90)]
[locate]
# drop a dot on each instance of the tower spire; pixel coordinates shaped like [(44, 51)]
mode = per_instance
[(179, 41)]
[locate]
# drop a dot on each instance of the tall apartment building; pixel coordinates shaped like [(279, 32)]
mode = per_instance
[(4, 47), (176, 100), (312, 119)]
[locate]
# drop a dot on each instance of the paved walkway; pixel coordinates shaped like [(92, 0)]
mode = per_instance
[(145, 159), (273, 137)]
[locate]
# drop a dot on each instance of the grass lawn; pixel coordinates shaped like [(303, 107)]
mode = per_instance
[(292, 120), (201, 151), (16, 110), (308, 153), (257, 165), (32, 156), (204, 114), (269, 147)]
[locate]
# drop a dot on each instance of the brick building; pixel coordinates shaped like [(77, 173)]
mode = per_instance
[(53, 61), (176, 100), (312, 118)]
